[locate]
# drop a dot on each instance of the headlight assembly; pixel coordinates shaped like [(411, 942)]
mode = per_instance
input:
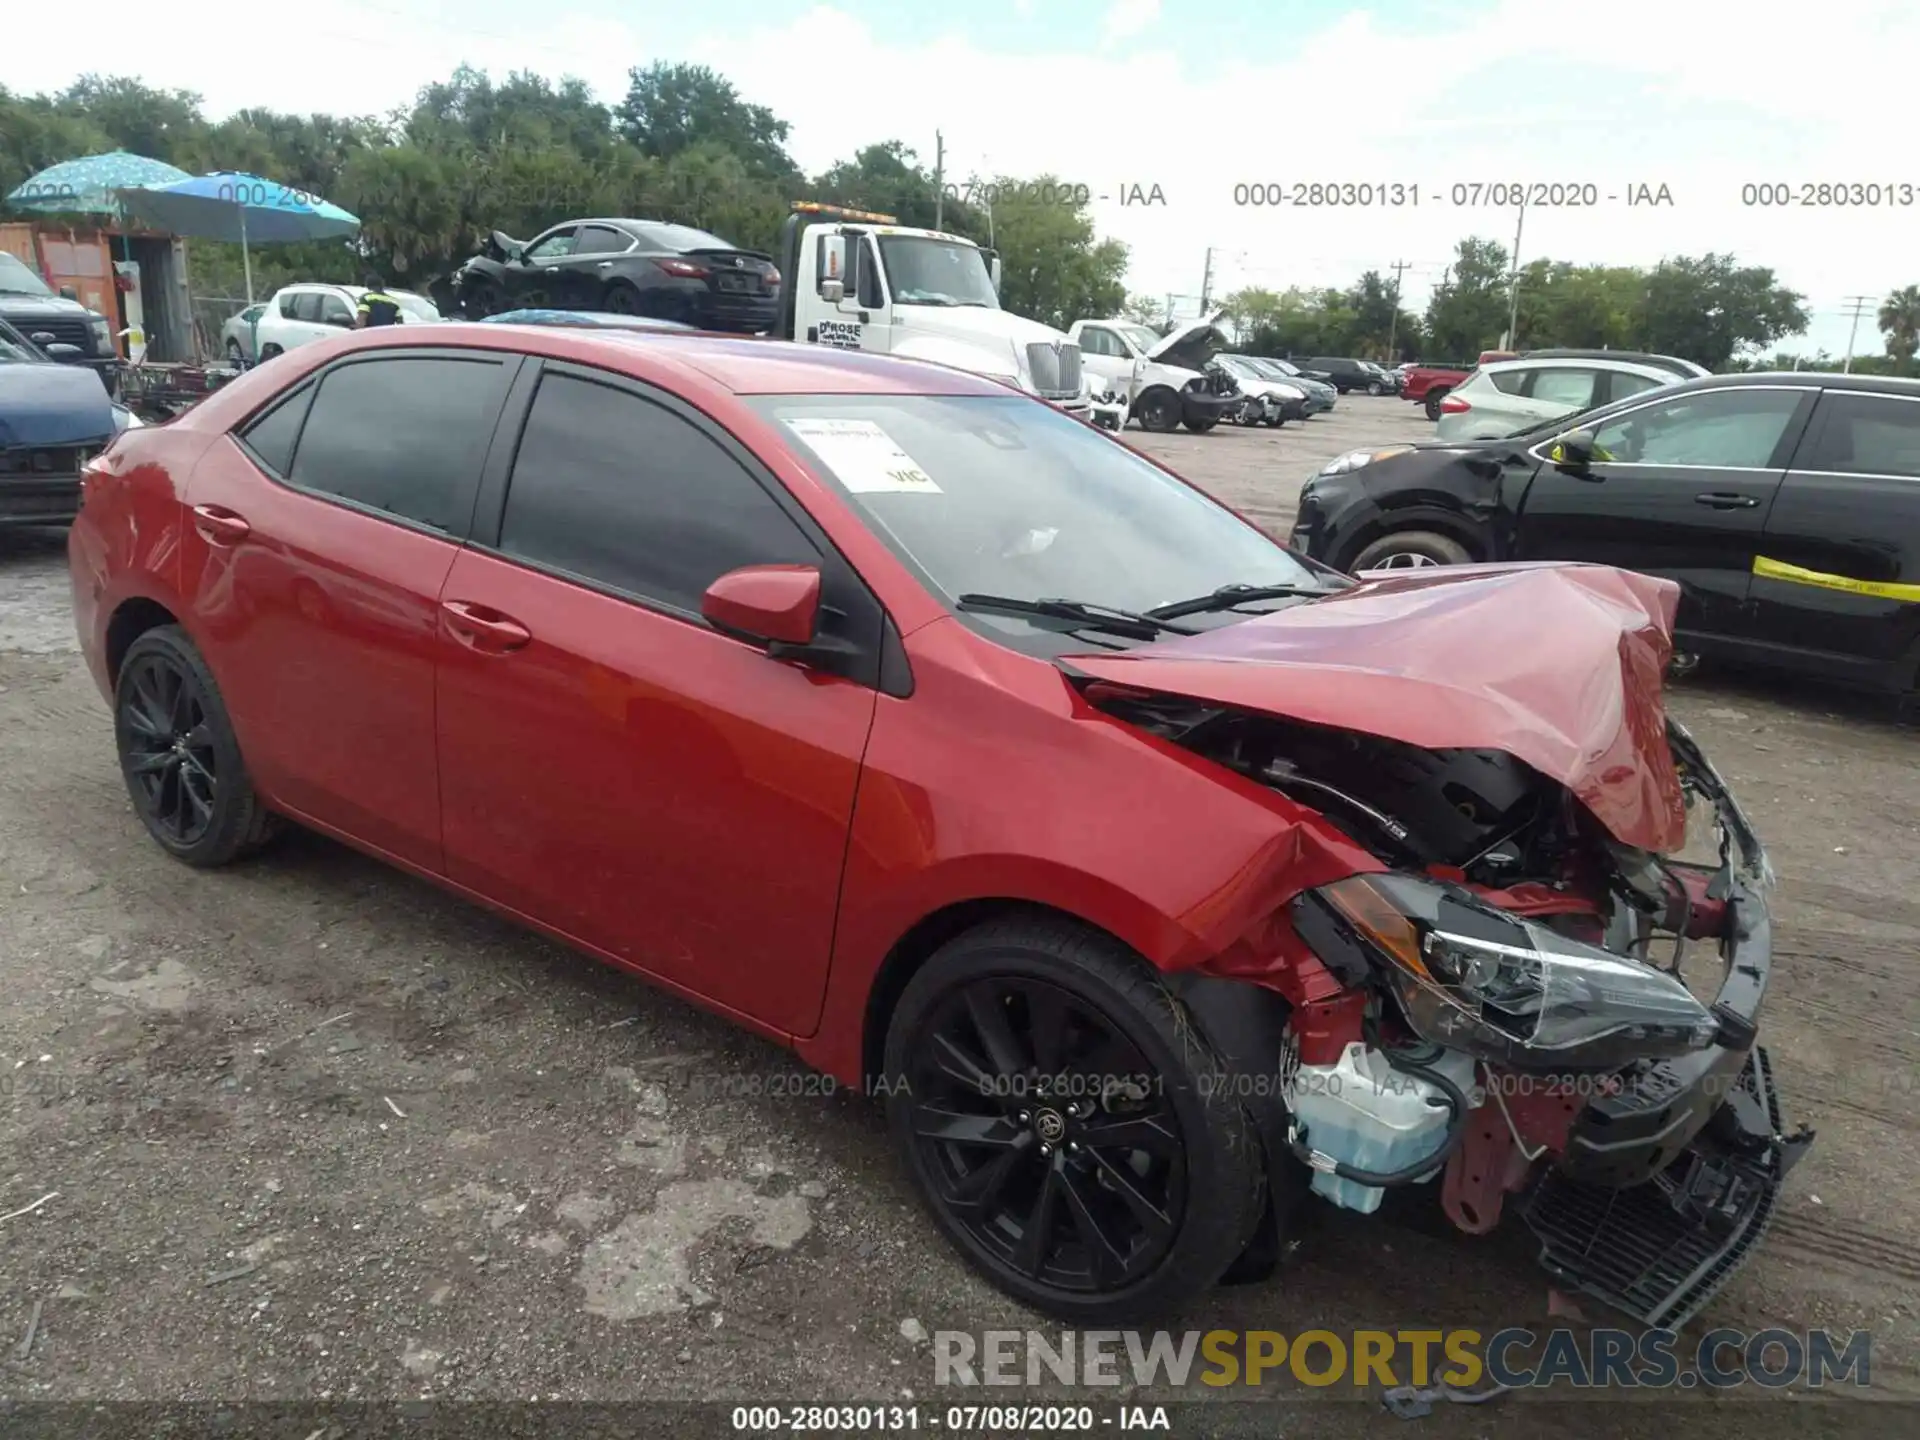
[(1354, 459), (1476, 978)]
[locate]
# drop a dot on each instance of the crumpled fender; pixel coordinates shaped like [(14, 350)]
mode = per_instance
[(1558, 665)]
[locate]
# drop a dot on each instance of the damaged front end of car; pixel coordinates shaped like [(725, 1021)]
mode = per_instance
[(1518, 1004)]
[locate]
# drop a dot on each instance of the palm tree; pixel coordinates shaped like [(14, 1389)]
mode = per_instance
[(1900, 323)]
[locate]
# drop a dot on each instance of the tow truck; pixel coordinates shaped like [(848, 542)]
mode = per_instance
[(859, 280)]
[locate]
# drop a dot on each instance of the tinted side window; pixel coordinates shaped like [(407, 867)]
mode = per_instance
[(405, 435), (1737, 428), (552, 247), (619, 490), (1867, 435), (1096, 341), (870, 296), (271, 437), (1626, 383), (333, 308), (1553, 385), (601, 240), (289, 306), (1507, 382), (307, 307)]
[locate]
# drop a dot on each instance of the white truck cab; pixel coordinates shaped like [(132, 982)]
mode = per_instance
[(858, 281), (1165, 377)]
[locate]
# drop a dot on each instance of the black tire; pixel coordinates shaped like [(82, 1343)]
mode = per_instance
[(1192, 1183), (1374, 387), (236, 357), (1159, 411), (1411, 550), (178, 754), (1200, 427), (1433, 399), (622, 299), (482, 298), (267, 352)]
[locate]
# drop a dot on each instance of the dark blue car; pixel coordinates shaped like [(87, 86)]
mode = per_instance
[(53, 419), (602, 320)]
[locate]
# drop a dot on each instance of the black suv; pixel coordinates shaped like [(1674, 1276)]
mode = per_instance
[(1345, 375), (1782, 505), (63, 329), (628, 267)]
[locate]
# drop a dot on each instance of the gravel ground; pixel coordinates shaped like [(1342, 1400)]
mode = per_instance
[(320, 1131)]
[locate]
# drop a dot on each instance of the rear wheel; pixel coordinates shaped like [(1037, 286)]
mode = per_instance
[(1058, 1120), (1412, 550), (623, 299), (178, 753), (1434, 397)]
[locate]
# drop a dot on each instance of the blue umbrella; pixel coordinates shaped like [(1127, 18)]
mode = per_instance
[(89, 185), (245, 209)]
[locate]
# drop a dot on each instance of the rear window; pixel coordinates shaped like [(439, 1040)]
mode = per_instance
[(680, 237)]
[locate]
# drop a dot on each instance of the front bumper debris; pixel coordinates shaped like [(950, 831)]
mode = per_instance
[(1660, 1251)]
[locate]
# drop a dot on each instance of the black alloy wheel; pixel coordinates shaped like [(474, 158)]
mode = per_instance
[(1056, 1113), (623, 299), (182, 765), (1159, 411)]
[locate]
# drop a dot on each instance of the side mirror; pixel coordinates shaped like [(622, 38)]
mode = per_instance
[(67, 292), (772, 605), (66, 354), (341, 322), (831, 279), (1573, 450), (993, 273)]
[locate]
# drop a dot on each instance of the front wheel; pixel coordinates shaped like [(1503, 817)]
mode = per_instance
[(179, 755), (1412, 550), (1058, 1119), (1159, 411), (1374, 387)]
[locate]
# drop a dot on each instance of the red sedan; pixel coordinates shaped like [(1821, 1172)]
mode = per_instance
[(1155, 875)]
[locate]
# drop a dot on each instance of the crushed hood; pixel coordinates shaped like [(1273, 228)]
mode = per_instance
[(1559, 666), (1192, 345)]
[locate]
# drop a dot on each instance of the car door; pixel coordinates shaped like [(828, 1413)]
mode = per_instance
[(578, 279), (1681, 487), (1106, 354), (334, 314), (614, 767), (1838, 572), (319, 534), (533, 278)]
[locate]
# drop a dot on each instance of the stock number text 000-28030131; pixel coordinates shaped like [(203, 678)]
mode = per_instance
[(1459, 194)]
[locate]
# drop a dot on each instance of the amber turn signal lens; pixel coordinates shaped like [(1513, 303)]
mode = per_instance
[(1379, 919)]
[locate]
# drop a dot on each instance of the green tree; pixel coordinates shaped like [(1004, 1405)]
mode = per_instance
[(1900, 323), (1708, 308), (669, 108), (1054, 269), (1468, 309)]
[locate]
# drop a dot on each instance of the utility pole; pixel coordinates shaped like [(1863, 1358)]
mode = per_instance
[(1393, 325), (939, 181), (1206, 281), (1513, 280), (1169, 309), (1859, 304)]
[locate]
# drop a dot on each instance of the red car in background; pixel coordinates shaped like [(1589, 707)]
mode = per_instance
[(1428, 385), (1160, 874)]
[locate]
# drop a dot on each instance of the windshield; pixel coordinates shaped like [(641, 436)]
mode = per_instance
[(1140, 336), (17, 278), (1003, 496), (1243, 368), (14, 350), (936, 272), (1277, 367)]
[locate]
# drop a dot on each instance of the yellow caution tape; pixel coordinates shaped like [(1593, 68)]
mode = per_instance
[(1880, 589)]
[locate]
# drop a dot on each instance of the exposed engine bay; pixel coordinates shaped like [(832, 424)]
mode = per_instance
[(1503, 1008)]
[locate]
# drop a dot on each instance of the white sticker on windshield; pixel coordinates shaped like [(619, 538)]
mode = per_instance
[(867, 460)]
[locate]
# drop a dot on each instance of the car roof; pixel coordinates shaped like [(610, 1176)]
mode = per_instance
[(743, 365), (1631, 364)]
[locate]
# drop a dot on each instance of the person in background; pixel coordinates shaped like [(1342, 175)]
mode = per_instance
[(376, 306)]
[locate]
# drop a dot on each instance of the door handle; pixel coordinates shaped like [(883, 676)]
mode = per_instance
[(218, 526), (1720, 500), (483, 629), (604, 265)]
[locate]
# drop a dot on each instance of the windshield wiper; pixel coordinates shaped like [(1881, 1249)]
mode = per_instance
[(1228, 596), (1092, 617)]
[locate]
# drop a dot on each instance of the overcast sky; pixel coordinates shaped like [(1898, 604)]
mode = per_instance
[(1198, 96)]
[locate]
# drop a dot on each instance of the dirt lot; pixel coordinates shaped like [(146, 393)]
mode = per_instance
[(317, 1130)]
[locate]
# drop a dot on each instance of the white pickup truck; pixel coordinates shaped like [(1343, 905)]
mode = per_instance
[(857, 280), (1166, 379)]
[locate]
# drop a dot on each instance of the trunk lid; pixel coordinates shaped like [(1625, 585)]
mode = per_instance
[(1559, 666)]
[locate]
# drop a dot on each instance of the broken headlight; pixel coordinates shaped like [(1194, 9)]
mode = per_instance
[(1476, 978)]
